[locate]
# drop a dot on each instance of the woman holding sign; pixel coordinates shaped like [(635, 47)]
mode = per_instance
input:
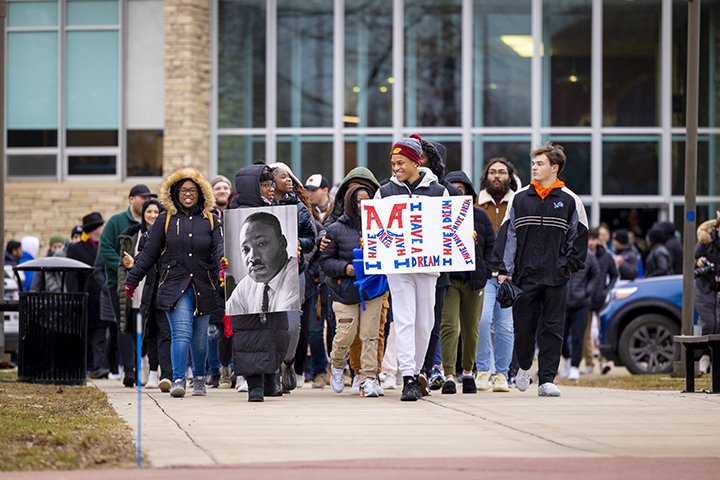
[(413, 294)]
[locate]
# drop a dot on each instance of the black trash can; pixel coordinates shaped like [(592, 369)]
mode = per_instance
[(53, 328)]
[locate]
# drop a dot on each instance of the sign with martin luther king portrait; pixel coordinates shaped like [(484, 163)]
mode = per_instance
[(261, 248), (418, 234)]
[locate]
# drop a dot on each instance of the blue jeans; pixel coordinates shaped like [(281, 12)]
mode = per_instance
[(188, 332), (502, 319)]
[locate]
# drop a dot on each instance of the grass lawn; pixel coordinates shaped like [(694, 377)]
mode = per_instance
[(45, 427), (641, 382)]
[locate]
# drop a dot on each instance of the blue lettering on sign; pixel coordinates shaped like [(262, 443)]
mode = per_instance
[(447, 262), (402, 263), (371, 266), (416, 207)]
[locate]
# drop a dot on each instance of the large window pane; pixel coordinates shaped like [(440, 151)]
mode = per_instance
[(241, 63), (433, 35), (237, 152), (305, 63), (515, 148), (368, 63), (32, 76), (631, 63), (567, 31), (92, 80), (502, 54), (631, 166), (32, 14), (637, 220), (368, 151), (92, 12), (576, 173), (708, 169), (144, 153), (32, 165), (709, 86), (306, 155)]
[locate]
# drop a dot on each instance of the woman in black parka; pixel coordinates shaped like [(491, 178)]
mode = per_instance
[(187, 240)]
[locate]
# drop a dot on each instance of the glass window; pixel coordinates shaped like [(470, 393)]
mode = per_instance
[(241, 63), (702, 213), (92, 80), (32, 14), (433, 36), (576, 173), (32, 90), (453, 147), (235, 152), (502, 54), (515, 148), (92, 138), (631, 166), (708, 169), (92, 12), (305, 155), (368, 63), (305, 63), (91, 164), (368, 151), (144, 153), (637, 220), (709, 85), (631, 63), (32, 165), (567, 31)]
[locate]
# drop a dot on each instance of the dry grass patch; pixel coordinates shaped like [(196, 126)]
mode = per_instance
[(641, 382), (45, 427)]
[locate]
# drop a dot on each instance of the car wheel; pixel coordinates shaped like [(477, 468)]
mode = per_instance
[(646, 344)]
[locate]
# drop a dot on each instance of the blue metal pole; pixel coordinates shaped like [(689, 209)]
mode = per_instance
[(138, 382)]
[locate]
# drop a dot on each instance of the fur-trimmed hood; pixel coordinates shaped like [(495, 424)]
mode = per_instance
[(706, 230), (169, 187)]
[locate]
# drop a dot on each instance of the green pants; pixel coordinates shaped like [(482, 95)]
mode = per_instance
[(460, 315)]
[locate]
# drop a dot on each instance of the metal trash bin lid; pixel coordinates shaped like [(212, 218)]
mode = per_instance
[(53, 264)]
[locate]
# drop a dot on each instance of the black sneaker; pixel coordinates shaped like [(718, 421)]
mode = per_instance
[(213, 381), (289, 380), (449, 387), (411, 390), (129, 381), (468, 383), (256, 395)]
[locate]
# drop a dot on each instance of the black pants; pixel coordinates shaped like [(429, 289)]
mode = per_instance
[(575, 324), (301, 352), (224, 349), (96, 358), (435, 333), (540, 313)]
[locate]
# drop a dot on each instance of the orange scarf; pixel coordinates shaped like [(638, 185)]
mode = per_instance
[(544, 192)]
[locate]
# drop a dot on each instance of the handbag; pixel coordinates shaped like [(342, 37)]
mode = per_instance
[(508, 293), (371, 285)]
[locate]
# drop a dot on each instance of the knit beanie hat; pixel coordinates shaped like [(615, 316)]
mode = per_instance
[(56, 238), (218, 179), (410, 147)]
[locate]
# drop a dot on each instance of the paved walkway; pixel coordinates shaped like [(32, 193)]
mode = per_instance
[(586, 433)]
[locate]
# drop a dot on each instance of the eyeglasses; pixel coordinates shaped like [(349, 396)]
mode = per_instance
[(188, 191), (497, 172), (267, 185)]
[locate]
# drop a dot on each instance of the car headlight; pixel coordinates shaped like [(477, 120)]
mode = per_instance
[(620, 293)]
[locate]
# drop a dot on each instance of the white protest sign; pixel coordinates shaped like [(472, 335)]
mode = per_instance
[(418, 234)]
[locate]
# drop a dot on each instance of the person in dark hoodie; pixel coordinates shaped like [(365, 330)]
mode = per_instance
[(658, 261), (187, 240), (464, 299), (434, 157), (260, 341), (673, 244), (354, 319), (608, 276)]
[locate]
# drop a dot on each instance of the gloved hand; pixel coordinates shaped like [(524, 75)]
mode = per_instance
[(130, 291), (227, 326), (223, 268)]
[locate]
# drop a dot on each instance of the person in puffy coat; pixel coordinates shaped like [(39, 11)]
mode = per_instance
[(707, 276), (187, 240), (259, 343), (352, 318)]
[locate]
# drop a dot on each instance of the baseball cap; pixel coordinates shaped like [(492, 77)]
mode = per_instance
[(141, 190), (316, 181)]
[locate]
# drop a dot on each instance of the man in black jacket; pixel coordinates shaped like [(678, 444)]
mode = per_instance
[(542, 241), (609, 275)]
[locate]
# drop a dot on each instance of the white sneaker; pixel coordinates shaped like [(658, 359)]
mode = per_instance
[(500, 383), (522, 379), (355, 387), (548, 389), (388, 382), (483, 381), (300, 380), (337, 380), (381, 391), (241, 383), (704, 364), (119, 375), (145, 374), (152, 380), (566, 365), (589, 369), (574, 374), (369, 388)]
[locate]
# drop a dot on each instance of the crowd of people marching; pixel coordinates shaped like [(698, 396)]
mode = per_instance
[(162, 261)]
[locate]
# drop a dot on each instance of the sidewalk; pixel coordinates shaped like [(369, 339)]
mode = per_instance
[(586, 433)]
